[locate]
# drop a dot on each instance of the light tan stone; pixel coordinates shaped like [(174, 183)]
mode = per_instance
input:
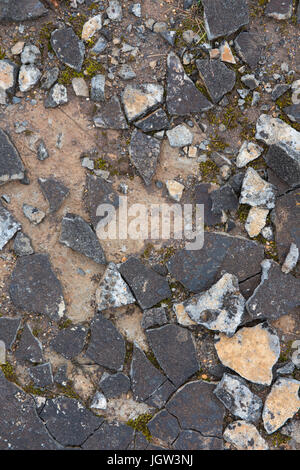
[(175, 189), (138, 100), (244, 436), (91, 27), (256, 221), (226, 54), (17, 48), (214, 53), (6, 75)]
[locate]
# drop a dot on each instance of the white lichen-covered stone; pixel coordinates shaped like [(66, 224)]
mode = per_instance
[(180, 136), (248, 152), (175, 189), (244, 436), (275, 131), (256, 191), (291, 259), (28, 77), (99, 402), (138, 100), (113, 291), (256, 221), (91, 27), (8, 226)]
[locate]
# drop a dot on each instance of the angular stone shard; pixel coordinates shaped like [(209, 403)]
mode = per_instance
[(148, 286), (248, 152), (221, 308), (156, 121), (276, 294), (160, 396), (8, 226), (251, 352), (291, 260), (91, 27), (202, 195), (180, 136), (33, 214), (145, 378), (77, 234), (256, 191), (192, 440), (41, 375), (248, 48), (29, 347), (9, 328), (54, 191), (21, 10), (224, 199), (218, 78), (182, 95), (175, 352), (57, 96), (68, 48), (113, 292), (111, 116), (244, 436), (144, 153), (154, 317), (293, 112), (69, 342), (164, 426), (285, 162), (110, 436), (99, 192), (8, 76), (224, 17), (139, 100), (256, 220), (279, 9), (196, 408), (238, 398), (11, 166), (35, 288), (282, 403), (114, 385), (107, 345)]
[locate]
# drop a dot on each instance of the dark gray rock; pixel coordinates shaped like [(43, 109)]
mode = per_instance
[(164, 427), (68, 421), (42, 375), (49, 77), (224, 17), (9, 328), (20, 426), (196, 408), (148, 287), (202, 195), (218, 79), (169, 36), (279, 9), (250, 81), (99, 192), (114, 385), (11, 166), (236, 182), (276, 295), (192, 440), (8, 226), (298, 14), (154, 317), (159, 398), (77, 234), (42, 152), (69, 342), (145, 378), (61, 377), (29, 347), (293, 112), (56, 96), (144, 153), (41, 292), (98, 88), (107, 345), (175, 352), (279, 90), (54, 191), (182, 95), (68, 48), (285, 162), (114, 436), (224, 199), (111, 116), (197, 270), (155, 121), (21, 10), (248, 48)]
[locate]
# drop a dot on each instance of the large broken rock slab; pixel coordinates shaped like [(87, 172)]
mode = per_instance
[(248, 48), (224, 17), (69, 342), (68, 421), (77, 234), (221, 308), (11, 166), (54, 191), (99, 192), (282, 403), (175, 352), (144, 152), (20, 426), (68, 48), (8, 226), (9, 328), (251, 352), (29, 347), (111, 116), (35, 288), (113, 292), (182, 95), (276, 294), (238, 398), (256, 191), (161, 395), (279, 9), (196, 408), (193, 440), (244, 436), (285, 162), (107, 345), (197, 270), (164, 426), (145, 378), (138, 100), (21, 10), (218, 79), (8, 76), (148, 286), (110, 436)]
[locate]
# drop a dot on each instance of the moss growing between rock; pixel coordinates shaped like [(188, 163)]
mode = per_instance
[(140, 424), (34, 390), (128, 353), (2, 53), (65, 324), (77, 23), (208, 171), (67, 75), (243, 212), (45, 36), (278, 439), (92, 67), (9, 372)]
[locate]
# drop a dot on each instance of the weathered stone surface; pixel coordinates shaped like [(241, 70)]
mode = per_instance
[(8, 226), (69, 342), (114, 10), (285, 162), (287, 223), (20, 427), (281, 404), (279, 9), (244, 436), (61, 376), (248, 48), (68, 421), (107, 346), (192, 440), (39, 292), (98, 88), (164, 426), (139, 100), (279, 90), (196, 408), (180, 136), (202, 195), (276, 295), (29, 347), (29, 76), (80, 87), (77, 234), (156, 121), (42, 152), (160, 396), (148, 287), (114, 385), (54, 191), (175, 352), (91, 27), (197, 270), (256, 191), (224, 17), (49, 77), (291, 259), (275, 131), (224, 199), (30, 54), (113, 292), (9, 328), (251, 352), (256, 221), (41, 375), (238, 398), (144, 153), (99, 192), (218, 78), (114, 436), (154, 317), (250, 81), (2, 352), (111, 116), (145, 378), (182, 95), (99, 402), (57, 96), (33, 214), (175, 189), (221, 308), (293, 112), (292, 429), (21, 10), (11, 166), (68, 48), (248, 152), (8, 76)]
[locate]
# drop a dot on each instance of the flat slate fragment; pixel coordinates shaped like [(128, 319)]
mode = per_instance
[(174, 349), (29, 347), (11, 166), (21, 10), (110, 436), (113, 291), (114, 385), (68, 48), (156, 121), (77, 234), (164, 426), (159, 398), (148, 286), (224, 17), (144, 153), (138, 100), (54, 191), (111, 116), (244, 436), (248, 48), (145, 377), (202, 195), (224, 199), (99, 192), (9, 328), (8, 226), (218, 79), (41, 375), (154, 317), (285, 162), (193, 440), (293, 112), (69, 342)]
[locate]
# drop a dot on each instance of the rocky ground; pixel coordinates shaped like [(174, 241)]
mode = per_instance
[(143, 344)]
